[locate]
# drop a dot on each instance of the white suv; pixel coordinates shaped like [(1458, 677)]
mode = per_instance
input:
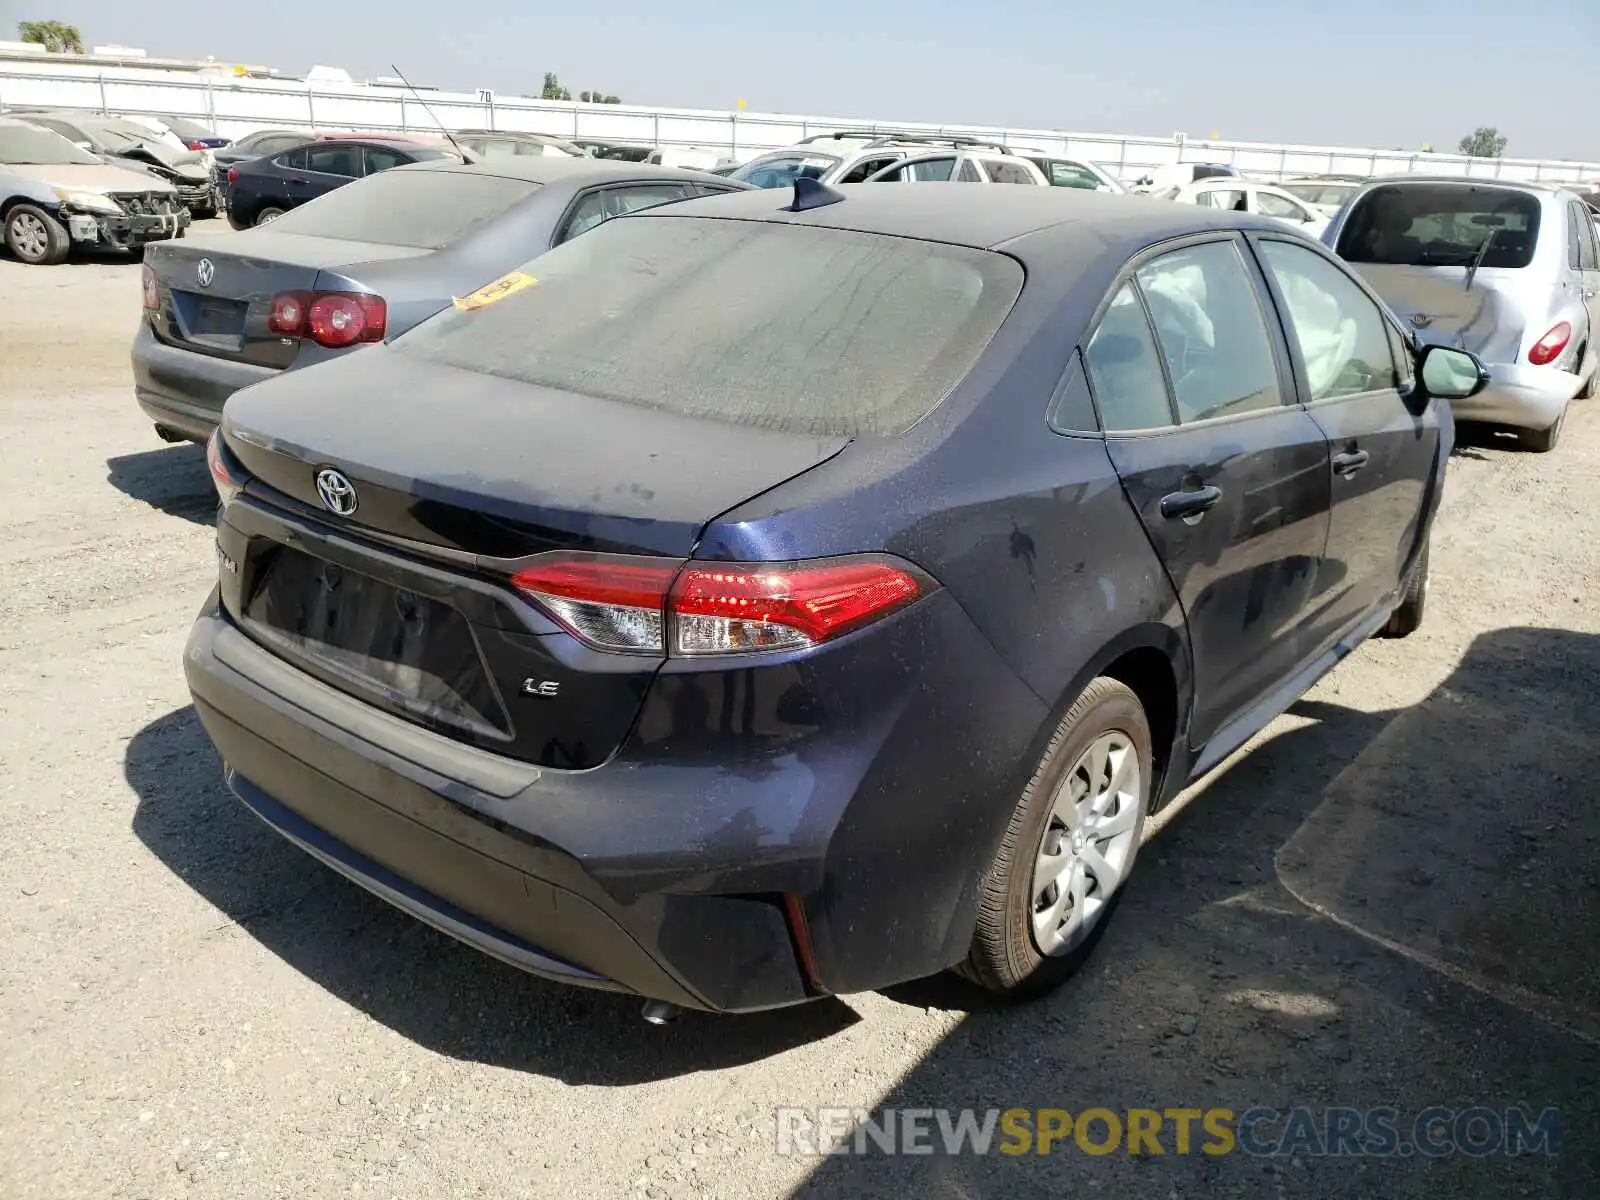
[(961, 166), (843, 157)]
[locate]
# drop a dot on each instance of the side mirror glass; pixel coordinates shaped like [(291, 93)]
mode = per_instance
[(1451, 374)]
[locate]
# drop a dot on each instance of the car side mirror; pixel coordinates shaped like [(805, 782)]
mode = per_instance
[(1451, 374)]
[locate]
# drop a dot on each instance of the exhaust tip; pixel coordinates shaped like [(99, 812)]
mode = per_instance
[(167, 435), (659, 1012)]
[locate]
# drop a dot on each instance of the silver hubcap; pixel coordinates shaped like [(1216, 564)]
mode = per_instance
[(1088, 843), (29, 236)]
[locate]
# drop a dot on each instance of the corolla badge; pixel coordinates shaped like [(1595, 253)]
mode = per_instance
[(205, 272), (338, 493)]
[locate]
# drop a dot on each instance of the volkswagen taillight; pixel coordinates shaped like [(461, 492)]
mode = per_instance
[(644, 605), (147, 283), (333, 319), (229, 481), (1548, 348)]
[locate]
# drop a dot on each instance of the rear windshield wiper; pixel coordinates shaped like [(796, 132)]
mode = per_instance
[(1477, 259)]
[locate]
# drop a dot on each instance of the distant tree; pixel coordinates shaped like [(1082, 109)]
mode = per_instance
[(55, 36), (598, 98), (1483, 142), (553, 89)]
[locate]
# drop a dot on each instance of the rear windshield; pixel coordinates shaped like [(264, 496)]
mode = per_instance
[(426, 210), (1333, 194), (1441, 225), (797, 328)]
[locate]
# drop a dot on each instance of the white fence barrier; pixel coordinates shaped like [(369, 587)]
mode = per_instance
[(235, 106)]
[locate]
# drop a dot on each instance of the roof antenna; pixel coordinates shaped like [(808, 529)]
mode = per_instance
[(812, 193), (449, 137)]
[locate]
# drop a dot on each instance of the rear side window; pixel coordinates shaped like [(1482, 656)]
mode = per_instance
[(1006, 172), (1581, 234), (782, 172), (1441, 225), (798, 328), (425, 210), (1125, 368)]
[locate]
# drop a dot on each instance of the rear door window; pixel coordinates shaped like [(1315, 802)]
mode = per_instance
[(1273, 205), (801, 328), (1229, 199), (1581, 238), (293, 160), (1441, 225), (334, 160), (1211, 330), (1006, 172), (426, 210)]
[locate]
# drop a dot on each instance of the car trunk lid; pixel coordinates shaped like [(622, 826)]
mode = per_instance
[(405, 601), (1488, 318), (217, 302)]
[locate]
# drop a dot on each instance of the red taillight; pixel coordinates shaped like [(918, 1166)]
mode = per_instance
[(147, 282), (331, 319), (1548, 348), (233, 174), (646, 605), (228, 484), (196, 144), (721, 609)]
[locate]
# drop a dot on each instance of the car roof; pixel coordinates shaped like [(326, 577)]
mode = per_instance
[(981, 217), (558, 169), (1528, 185)]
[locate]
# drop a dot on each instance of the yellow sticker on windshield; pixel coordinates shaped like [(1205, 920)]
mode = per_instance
[(493, 293)]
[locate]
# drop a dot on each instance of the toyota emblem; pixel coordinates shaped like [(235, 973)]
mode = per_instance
[(338, 493), (205, 272)]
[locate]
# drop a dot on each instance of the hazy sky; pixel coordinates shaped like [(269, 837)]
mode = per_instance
[(1353, 72)]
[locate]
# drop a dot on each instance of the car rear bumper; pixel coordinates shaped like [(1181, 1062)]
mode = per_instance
[(185, 391), (827, 860), (1521, 396)]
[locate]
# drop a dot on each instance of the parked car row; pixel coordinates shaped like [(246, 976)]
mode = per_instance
[(786, 592)]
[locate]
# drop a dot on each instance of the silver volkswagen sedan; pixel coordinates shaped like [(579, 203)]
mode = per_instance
[(1507, 270)]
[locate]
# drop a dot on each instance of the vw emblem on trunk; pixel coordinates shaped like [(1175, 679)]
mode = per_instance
[(338, 493), (205, 272)]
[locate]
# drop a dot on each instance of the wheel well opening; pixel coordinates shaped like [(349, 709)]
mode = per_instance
[(1148, 673)]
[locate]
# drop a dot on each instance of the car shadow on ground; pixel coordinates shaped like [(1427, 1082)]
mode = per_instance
[(173, 479), (1397, 908), (420, 983)]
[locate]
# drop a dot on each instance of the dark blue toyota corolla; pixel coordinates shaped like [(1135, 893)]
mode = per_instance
[(769, 597)]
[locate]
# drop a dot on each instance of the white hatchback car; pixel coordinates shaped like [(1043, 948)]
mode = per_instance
[(1246, 195)]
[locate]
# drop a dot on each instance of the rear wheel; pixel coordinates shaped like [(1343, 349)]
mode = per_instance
[(1057, 877), (1407, 616), (36, 237), (263, 216), (1542, 441), (1591, 384)]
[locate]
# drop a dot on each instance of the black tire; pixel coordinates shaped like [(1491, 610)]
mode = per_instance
[(202, 214), (1542, 441), (36, 237), (1005, 957), (1407, 616), (267, 212)]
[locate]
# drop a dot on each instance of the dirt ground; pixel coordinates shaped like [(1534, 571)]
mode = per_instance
[(1391, 897)]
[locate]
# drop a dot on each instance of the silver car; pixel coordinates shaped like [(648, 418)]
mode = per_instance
[(1507, 270)]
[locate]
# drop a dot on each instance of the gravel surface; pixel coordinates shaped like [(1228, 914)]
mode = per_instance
[(1391, 897)]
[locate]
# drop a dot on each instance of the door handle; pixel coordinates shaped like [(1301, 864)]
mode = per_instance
[(1350, 462), (1190, 506)]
